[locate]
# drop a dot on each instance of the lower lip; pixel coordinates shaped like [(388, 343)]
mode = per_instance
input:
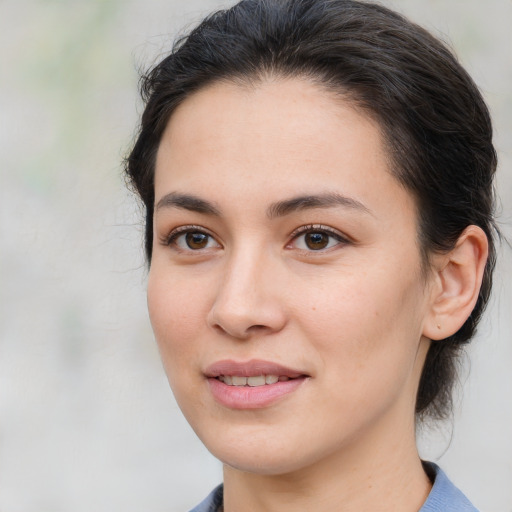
[(247, 397)]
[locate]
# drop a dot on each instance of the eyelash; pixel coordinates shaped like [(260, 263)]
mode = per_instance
[(318, 228), (171, 238)]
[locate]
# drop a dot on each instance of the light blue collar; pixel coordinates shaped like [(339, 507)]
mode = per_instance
[(444, 496)]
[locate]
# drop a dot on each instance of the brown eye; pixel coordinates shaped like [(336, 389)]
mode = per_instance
[(316, 241), (317, 238), (192, 240), (196, 240)]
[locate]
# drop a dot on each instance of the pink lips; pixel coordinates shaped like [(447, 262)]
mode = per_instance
[(247, 397)]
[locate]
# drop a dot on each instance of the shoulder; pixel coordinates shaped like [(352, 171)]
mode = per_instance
[(212, 503), (444, 496)]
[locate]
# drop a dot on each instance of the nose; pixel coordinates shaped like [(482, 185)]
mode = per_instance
[(249, 299)]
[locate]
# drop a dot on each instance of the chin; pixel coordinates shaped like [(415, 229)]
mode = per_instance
[(262, 454), (260, 463)]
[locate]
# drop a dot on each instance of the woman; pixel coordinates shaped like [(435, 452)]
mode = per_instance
[(317, 177)]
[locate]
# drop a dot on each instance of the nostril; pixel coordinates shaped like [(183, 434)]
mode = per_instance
[(242, 333), (258, 327)]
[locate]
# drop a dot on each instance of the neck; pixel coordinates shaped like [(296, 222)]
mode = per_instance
[(374, 473)]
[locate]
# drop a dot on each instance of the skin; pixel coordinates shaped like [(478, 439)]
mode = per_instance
[(356, 317)]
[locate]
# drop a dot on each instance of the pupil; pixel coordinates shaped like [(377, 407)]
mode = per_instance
[(196, 240), (316, 240)]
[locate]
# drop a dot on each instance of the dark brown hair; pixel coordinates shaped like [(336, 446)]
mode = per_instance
[(434, 121)]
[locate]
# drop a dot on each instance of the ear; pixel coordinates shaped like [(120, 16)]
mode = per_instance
[(456, 284)]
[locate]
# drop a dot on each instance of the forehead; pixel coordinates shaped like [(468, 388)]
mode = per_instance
[(292, 106), (280, 137)]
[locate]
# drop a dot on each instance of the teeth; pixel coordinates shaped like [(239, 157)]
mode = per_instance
[(256, 381), (239, 381), (259, 380), (271, 379)]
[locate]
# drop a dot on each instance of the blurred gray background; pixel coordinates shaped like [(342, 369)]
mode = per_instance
[(87, 422)]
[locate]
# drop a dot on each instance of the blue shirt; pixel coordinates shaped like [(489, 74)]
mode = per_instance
[(444, 496)]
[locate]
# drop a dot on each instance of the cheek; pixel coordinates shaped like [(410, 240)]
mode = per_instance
[(369, 325), (177, 314)]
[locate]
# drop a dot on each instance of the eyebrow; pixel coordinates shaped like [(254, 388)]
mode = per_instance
[(307, 202), (277, 209), (187, 202)]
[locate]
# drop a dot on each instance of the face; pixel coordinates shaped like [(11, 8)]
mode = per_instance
[(285, 289)]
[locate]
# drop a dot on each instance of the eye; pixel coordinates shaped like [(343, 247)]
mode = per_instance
[(189, 238), (316, 238)]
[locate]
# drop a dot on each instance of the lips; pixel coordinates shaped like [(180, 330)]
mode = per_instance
[(254, 381), (252, 368), (252, 384)]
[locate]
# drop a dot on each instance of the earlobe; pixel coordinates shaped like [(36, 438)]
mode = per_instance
[(458, 277)]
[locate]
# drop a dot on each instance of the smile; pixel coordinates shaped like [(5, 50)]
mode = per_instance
[(259, 380), (254, 384)]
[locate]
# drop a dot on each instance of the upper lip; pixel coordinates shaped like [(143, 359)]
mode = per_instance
[(251, 368)]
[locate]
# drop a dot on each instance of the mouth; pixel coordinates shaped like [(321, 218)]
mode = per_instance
[(253, 384), (255, 372)]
